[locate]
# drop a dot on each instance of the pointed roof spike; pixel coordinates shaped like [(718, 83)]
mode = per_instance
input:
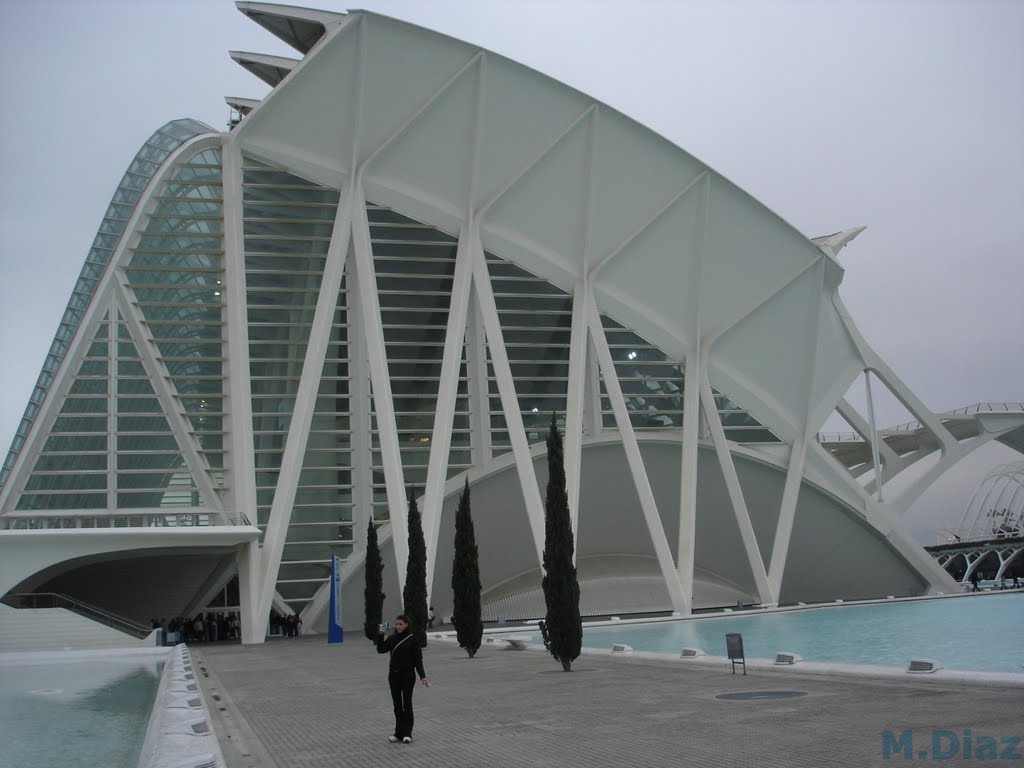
[(301, 28), (244, 106), (270, 69), (834, 243)]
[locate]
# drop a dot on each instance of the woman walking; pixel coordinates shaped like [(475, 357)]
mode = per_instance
[(405, 664)]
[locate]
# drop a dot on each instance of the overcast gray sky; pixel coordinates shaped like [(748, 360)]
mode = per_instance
[(906, 117)]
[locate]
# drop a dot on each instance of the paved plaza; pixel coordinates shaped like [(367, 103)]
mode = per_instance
[(315, 705)]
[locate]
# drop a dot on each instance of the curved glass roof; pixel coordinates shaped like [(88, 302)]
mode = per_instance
[(147, 160)]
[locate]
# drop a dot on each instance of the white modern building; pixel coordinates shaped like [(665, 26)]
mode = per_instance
[(385, 279)]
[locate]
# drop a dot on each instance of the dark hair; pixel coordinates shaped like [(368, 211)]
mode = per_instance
[(402, 617)]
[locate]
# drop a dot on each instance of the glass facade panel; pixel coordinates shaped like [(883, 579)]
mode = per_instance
[(287, 224), (536, 318), (123, 203), (178, 282)]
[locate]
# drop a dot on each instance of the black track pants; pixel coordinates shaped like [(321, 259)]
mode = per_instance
[(402, 685)]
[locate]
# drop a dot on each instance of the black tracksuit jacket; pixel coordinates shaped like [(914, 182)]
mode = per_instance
[(406, 653)]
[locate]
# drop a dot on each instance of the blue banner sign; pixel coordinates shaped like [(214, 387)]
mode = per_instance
[(334, 631)]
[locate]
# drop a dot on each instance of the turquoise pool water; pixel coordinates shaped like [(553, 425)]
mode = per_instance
[(978, 632), (92, 712)]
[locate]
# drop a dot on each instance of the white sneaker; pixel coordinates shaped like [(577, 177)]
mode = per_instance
[(407, 740), (393, 739)]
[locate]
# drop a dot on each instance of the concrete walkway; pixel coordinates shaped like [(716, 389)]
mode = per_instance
[(301, 703)]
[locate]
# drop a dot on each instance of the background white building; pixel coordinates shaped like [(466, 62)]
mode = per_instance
[(387, 278)]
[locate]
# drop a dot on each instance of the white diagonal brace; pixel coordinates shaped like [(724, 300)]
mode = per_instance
[(424, 105), (447, 391), (885, 374), (681, 600), (479, 393), (380, 379), (862, 428), (694, 364), (763, 298), (675, 198), (578, 341), (360, 408), (454, 342), (166, 394), (686, 553), (511, 182), (476, 346), (787, 513), (875, 437), (507, 391), (305, 399), (732, 484), (798, 452)]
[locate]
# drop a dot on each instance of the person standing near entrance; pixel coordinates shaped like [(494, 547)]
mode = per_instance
[(405, 665)]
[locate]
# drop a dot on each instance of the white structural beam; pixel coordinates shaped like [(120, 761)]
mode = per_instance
[(112, 363), (380, 380), (578, 343), (507, 392), (889, 457), (681, 599), (647, 223), (305, 398), (885, 374), (166, 393), (798, 452), (686, 551), (476, 383), (447, 391), (787, 513), (875, 437), (736, 499), (474, 338), (360, 407), (742, 313), (455, 337), (536, 160), (411, 118), (240, 463)]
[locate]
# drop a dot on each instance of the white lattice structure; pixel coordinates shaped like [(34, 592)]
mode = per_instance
[(996, 509), (390, 274)]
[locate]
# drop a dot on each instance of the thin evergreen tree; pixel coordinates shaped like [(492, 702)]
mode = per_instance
[(373, 593), (466, 579), (414, 596), (562, 627)]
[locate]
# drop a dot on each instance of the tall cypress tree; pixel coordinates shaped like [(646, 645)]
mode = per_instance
[(466, 579), (414, 596), (562, 628), (373, 593)]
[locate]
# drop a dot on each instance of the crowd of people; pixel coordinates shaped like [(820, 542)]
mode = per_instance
[(206, 627), (211, 627), (287, 626)]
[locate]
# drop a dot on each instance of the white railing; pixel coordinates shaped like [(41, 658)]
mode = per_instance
[(35, 520), (911, 426)]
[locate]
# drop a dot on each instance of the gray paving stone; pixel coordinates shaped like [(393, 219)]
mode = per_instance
[(313, 705)]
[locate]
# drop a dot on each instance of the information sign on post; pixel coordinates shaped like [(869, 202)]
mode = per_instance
[(734, 647)]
